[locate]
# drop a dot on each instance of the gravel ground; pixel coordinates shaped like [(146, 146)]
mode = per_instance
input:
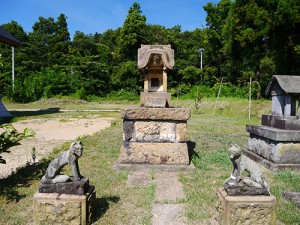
[(50, 133)]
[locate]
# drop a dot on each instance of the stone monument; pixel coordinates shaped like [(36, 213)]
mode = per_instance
[(245, 200), (155, 132), (63, 199), (276, 143)]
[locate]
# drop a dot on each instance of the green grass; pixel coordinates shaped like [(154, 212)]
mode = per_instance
[(118, 203)]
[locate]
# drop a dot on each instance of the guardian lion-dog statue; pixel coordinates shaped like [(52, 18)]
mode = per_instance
[(69, 157), (254, 184)]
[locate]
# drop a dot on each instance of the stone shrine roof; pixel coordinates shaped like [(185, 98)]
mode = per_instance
[(7, 38), (288, 83), (145, 52)]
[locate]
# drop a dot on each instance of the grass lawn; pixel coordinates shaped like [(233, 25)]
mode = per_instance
[(117, 203)]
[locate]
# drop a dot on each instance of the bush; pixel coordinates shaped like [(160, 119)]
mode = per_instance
[(9, 136)]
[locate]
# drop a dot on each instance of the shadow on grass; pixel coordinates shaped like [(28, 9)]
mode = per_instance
[(191, 150), (35, 112), (21, 178), (102, 205)]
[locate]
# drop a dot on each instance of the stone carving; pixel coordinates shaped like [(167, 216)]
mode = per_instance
[(163, 51), (238, 185), (69, 157)]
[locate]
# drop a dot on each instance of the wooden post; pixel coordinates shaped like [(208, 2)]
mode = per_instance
[(218, 95), (13, 67)]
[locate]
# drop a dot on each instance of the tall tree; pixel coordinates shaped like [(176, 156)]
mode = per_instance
[(132, 33), (214, 42)]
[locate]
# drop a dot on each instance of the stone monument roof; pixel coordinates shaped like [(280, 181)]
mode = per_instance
[(7, 38), (146, 51), (288, 83)]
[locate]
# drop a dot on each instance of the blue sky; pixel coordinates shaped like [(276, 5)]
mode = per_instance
[(90, 16)]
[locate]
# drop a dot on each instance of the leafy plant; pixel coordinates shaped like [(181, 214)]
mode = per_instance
[(9, 137)]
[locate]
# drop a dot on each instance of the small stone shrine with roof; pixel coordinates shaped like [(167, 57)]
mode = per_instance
[(276, 143), (155, 132)]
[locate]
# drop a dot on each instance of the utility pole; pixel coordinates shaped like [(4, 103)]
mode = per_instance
[(200, 51), (13, 68)]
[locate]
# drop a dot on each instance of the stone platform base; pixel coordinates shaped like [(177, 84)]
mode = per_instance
[(271, 165), (246, 210), (54, 208), (276, 145), (154, 153)]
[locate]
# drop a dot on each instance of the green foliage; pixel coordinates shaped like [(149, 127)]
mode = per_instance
[(9, 136), (242, 39)]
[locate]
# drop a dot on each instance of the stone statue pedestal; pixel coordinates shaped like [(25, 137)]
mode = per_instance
[(154, 136), (55, 208), (78, 187), (236, 210)]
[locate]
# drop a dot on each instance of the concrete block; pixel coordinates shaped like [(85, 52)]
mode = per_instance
[(246, 210)]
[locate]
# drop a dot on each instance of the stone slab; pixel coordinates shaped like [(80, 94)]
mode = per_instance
[(274, 133), (281, 123), (78, 187), (54, 208), (275, 151), (168, 188), (245, 190), (246, 210), (168, 214), (154, 153), (293, 196), (270, 165), (141, 113)]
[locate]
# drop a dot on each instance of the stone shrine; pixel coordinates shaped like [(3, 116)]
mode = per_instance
[(154, 133), (276, 143)]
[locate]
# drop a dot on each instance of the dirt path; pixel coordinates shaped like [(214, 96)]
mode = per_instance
[(50, 133)]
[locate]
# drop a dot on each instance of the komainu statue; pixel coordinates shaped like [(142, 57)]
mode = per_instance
[(254, 184), (69, 157), (54, 182)]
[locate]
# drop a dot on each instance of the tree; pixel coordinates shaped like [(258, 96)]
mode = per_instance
[(213, 38), (132, 34)]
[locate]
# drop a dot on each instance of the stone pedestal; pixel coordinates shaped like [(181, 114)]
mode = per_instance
[(155, 99), (78, 187), (155, 136), (273, 147), (246, 210), (54, 208)]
